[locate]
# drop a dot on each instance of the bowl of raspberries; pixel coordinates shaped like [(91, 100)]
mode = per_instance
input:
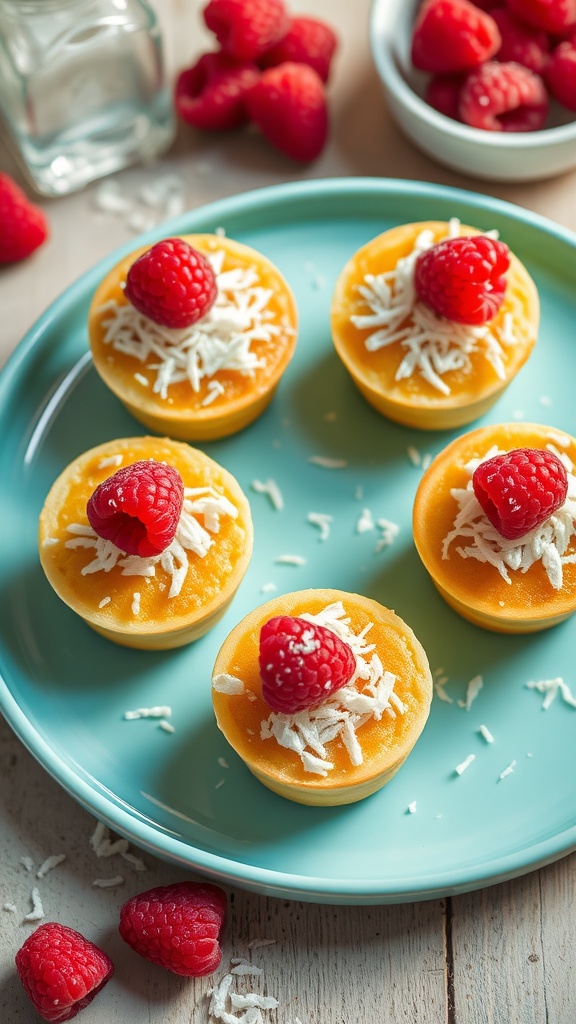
[(487, 87)]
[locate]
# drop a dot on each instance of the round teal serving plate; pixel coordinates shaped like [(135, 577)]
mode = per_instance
[(185, 796)]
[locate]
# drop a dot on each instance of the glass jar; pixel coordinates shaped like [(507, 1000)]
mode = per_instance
[(82, 88)]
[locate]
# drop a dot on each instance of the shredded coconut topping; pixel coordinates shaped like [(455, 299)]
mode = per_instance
[(547, 543), (191, 536), (340, 716), (220, 340), (433, 345), (323, 521), (269, 487), (551, 688)]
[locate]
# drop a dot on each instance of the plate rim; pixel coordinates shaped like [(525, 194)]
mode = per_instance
[(268, 881)]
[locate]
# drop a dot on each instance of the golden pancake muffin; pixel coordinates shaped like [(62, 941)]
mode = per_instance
[(323, 695), (193, 334), (393, 322), (494, 524), (147, 539)]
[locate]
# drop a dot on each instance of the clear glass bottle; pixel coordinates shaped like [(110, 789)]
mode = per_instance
[(82, 88)]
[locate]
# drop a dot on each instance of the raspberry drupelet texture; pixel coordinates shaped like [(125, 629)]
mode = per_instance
[(247, 28), (61, 971), (289, 106), (23, 225), (177, 926), (503, 97), (138, 507), (172, 284), (520, 489), (451, 36), (561, 73), (308, 41), (522, 43), (211, 94), (463, 279), (301, 663), (554, 16)]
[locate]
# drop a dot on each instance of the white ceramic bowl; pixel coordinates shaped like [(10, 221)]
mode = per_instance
[(496, 156)]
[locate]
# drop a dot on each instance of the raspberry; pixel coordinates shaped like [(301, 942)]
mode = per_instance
[(522, 43), (247, 28), (308, 41), (23, 225), (463, 279), (520, 490), (443, 94), (561, 74), (177, 926), (554, 16), (172, 284), (210, 95), (138, 508), (451, 36), (288, 104), (61, 971), (301, 664), (486, 5), (504, 98)]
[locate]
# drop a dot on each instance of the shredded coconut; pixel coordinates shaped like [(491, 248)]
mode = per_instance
[(412, 807), (472, 691), (11, 908), (27, 863), (461, 768), (268, 588), (414, 455), (439, 685), (508, 770), (108, 883), (49, 863), (220, 340), (162, 711), (547, 543), (225, 683), (269, 487), (191, 536), (322, 520), (365, 522), (433, 345), (551, 688), (327, 463), (389, 531), (290, 560), (104, 846), (486, 734), (166, 726), (37, 912), (343, 713)]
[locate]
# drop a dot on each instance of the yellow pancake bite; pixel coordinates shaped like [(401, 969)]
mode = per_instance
[(213, 376), (349, 741), (147, 540), (413, 364), (478, 487)]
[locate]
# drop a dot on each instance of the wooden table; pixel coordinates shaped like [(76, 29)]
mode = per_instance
[(504, 954)]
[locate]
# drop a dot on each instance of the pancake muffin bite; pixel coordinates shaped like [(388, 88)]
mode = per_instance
[(433, 320), (494, 524), (147, 539), (193, 334), (323, 695)]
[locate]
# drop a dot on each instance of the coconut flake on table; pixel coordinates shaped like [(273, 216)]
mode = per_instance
[(486, 734), (507, 771), (323, 521), (37, 912), (365, 521), (325, 462), (551, 688), (341, 715), (272, 490), (472, 690), (191, 536), (434, 345), (461, 768), (389, 531), (547, 543), (220, 340), (288, 559), (159, 711), (51, 862)]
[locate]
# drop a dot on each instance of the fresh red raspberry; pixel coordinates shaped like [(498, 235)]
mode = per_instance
[(172, 284), (561, 74), (138, 507), (443, 94), (520, 490), (486, 5), (522, 43), (554, 16), (463, 279), (247, 28), (210, 95), (504, 98), (308, 41), (61, 971), (289, 106), (23, 225), (301, 663), (177, 926), (451, 36)]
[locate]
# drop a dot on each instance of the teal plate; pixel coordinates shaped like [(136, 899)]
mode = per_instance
[(64, 689)]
